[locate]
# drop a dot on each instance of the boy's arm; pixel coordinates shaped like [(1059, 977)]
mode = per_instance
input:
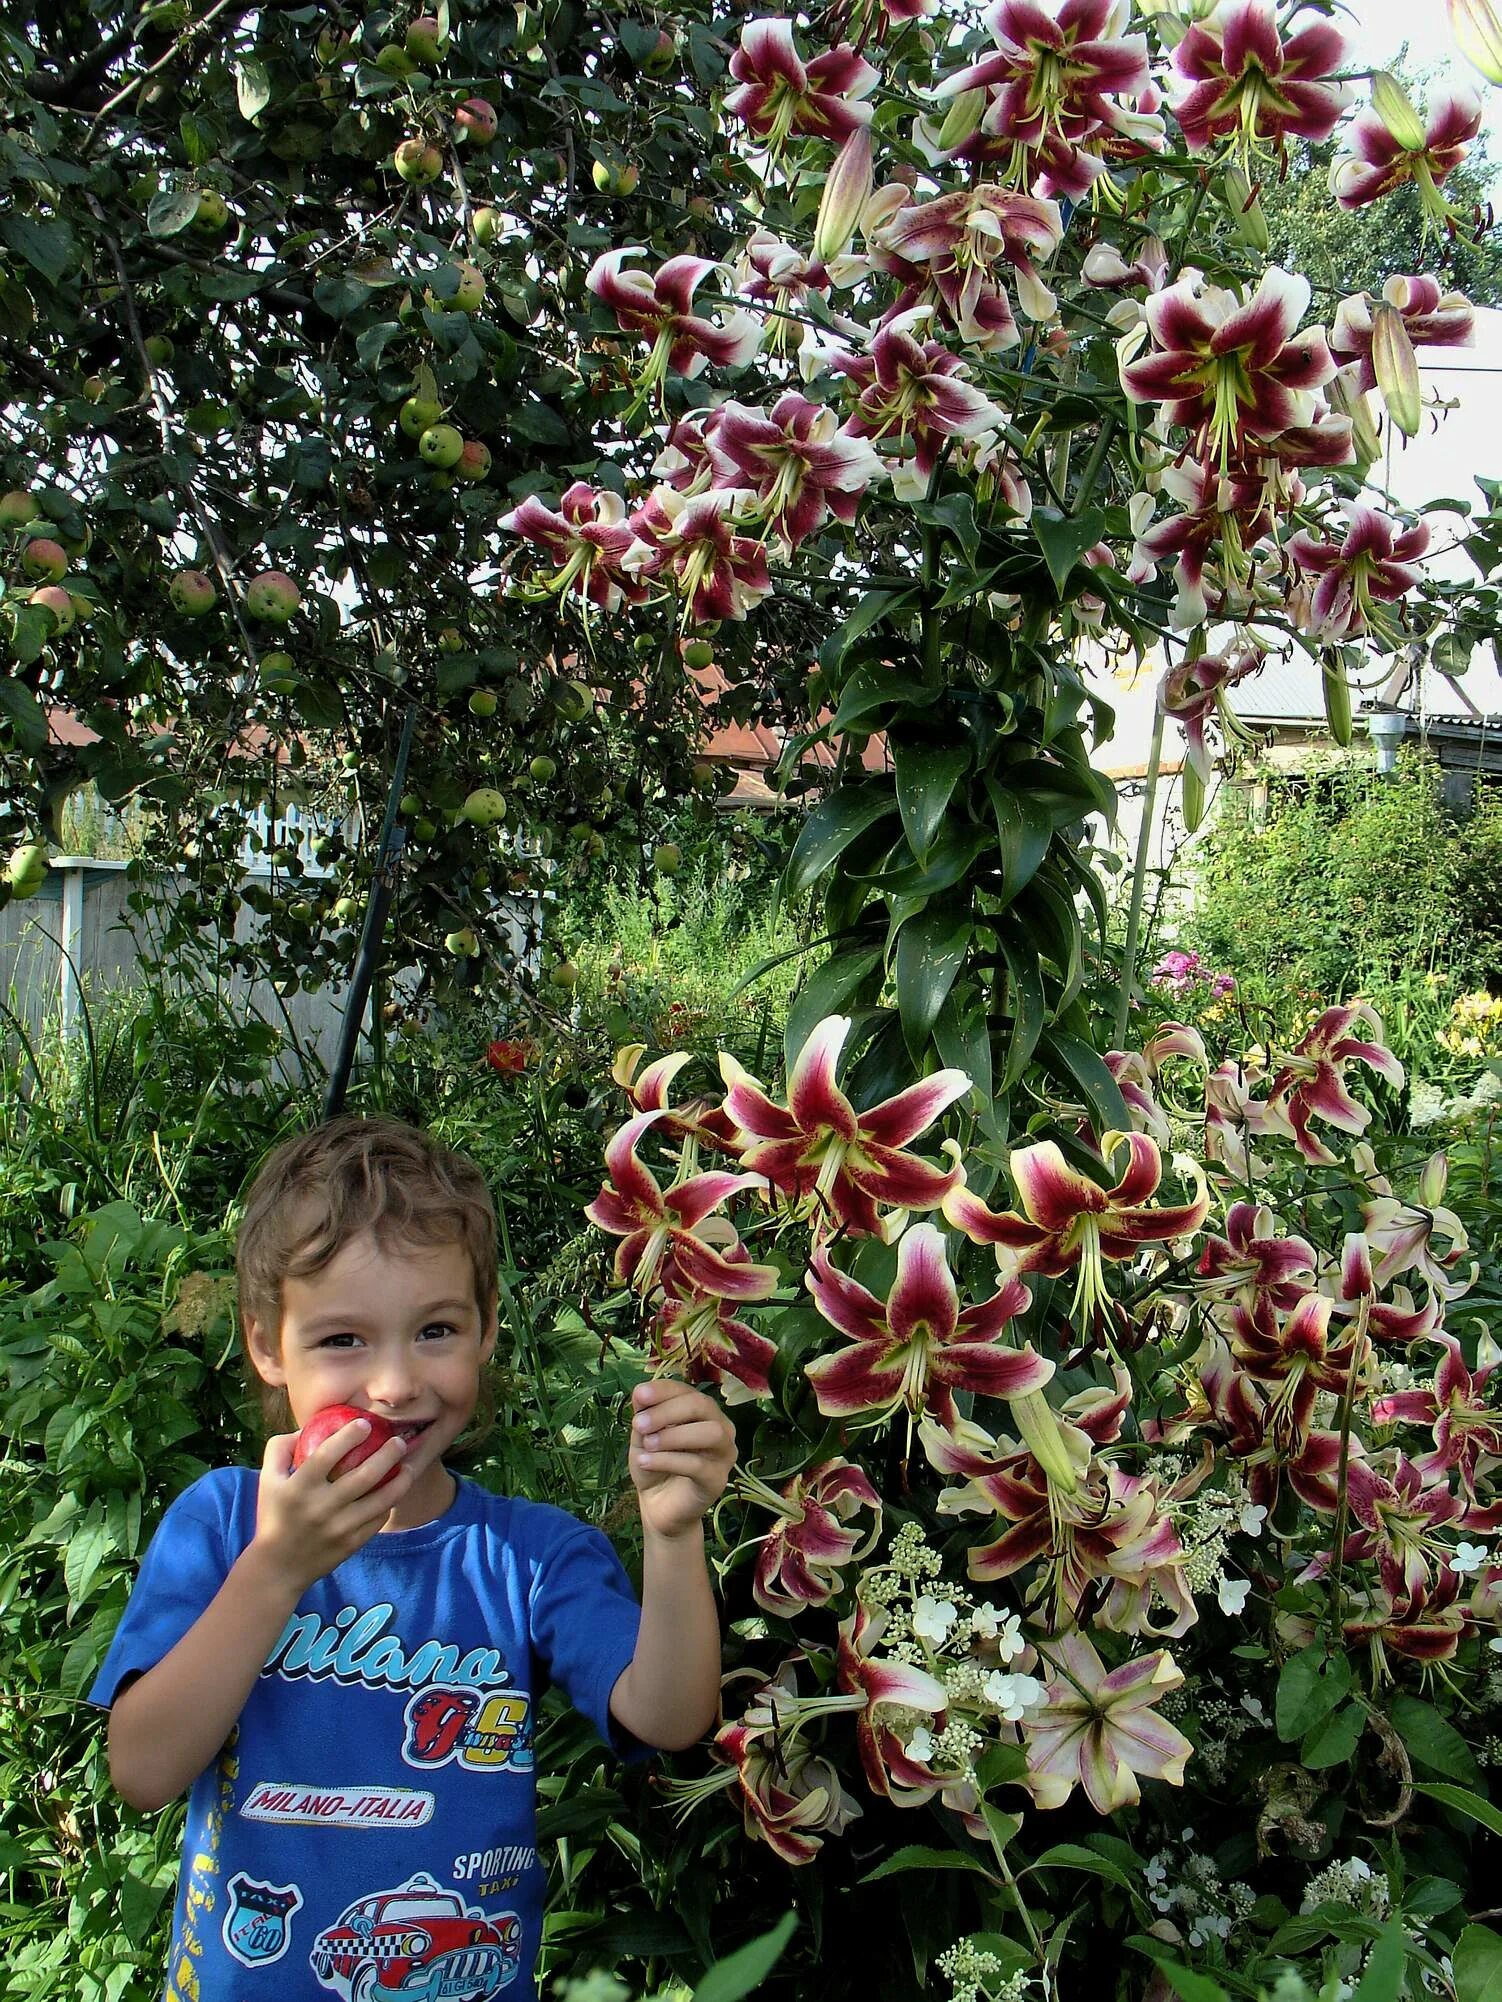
[(682, 1450), (167, 1726), (669, 1692)]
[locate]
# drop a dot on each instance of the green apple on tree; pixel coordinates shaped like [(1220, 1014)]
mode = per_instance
[(26, 870), (272, 597), (159, 350), (462, 943), (45, 560), (667, 857), (543, 768), (417, 162), (192, 593), (476, 119), (418, 414), (17, 509), (483, 702), (450, 640), (484, 807), (54, 599), (441, 446), (426, 41), (485, 225)]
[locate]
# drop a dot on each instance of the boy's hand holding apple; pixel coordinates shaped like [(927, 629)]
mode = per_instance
[(326, 1490), (682, 1450)]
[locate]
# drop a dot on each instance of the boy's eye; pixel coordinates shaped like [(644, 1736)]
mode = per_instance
[(438, 1328)]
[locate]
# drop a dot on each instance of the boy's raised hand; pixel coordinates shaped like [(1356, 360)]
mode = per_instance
[(682, 1450), (306, 1523)]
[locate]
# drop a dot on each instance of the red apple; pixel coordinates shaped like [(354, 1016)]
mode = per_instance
[(477, 117), (324, 1424)]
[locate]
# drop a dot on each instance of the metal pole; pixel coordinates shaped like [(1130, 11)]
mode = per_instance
[(383, 885)]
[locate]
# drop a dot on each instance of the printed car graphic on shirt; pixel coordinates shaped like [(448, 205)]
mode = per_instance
[(420, 1942)]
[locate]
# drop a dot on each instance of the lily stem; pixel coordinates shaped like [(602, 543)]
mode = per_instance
[(1139, 880)]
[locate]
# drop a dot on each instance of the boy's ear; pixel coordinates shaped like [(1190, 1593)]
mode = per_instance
[(266, 1355)]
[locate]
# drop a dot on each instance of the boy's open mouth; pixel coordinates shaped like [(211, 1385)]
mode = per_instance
[(411, 1432)]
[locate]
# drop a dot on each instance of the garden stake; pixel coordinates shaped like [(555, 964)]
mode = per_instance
[(388, 861)]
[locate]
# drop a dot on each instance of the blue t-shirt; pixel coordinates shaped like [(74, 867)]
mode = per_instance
[(368, 1829)]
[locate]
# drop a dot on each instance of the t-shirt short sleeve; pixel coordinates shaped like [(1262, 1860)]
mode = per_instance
[(185, 1564), (584, 1619)]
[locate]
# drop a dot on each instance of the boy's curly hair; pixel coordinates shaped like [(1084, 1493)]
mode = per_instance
[(351, 1177)]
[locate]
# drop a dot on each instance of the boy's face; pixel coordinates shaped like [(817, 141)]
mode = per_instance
[(394, 1331)]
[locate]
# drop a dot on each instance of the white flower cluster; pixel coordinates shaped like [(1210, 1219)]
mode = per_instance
[(1223, 1725), (1196, 1894), (1429, 1106), (1352, 1883), (912, 1556), (972, 1975), (1206, 1522)]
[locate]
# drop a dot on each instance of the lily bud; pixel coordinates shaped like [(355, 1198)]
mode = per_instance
[(1348, 401), (1478, 35), (846, 192), (960, 120), (1337, 701), (1044, 1438), (1247, 218), (1397, 369), (1193, 801), (1394, 107)]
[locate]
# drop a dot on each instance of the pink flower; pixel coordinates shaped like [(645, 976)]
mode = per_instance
[(1250, 1264), (700, 1334), (1223, 516), (662, 307), (1467, 1431), (1051, 85), (945, 250), (819, 1150), (797, 461), (1403, 1235), (647, 1091), (779, 96), (691, 538), (1234, 372), (913, 389), (917, 1347), (1424, 1625), (589, 538), (1381, 162), (1070, 1221), (1431, 319), (1372, 565), (1101, 1731), (684, 463), (1398, 1517), (783, 278), (886, 1686), (802, 1555), (1194, 691), (653, 1223), (1243, 81), (1296, 1354)]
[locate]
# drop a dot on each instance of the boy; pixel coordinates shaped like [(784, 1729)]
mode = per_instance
[(344, 1670)]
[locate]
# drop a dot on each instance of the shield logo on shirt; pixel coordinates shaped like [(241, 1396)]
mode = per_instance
[(258, 1924)]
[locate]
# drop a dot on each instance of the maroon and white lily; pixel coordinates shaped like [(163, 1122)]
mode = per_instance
[(1399, 1514), (945, 251), (913, 392), (692, 539), (1250, 1263), (1383, 160), (662, 308), (1309, 1079), (1467, 1430), (917, 1347), (1194, 691), (1371, 566), (589, 538), (656, 1224), (1054, 89), (782, 278), (796, 460), (779, 95), (802, 1556), (1378, 337), (1404, 1236), (1234, 372), (700, 1337), (833, 1161), (1100, 1730), (1070, 1221), (888, 1687), (1243, 81), (646, 1089), (1222, 517)]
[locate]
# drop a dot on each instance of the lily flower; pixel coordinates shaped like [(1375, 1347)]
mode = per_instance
[(1309, 1078), (1245, 82), (1234, 1119), (802, 1555), (917, 1347), (699, 1335), (1467, 1431), (1297, 1355), (1194, 691), (912, 390), (779, 95), (1379, 338), (1426, 1625), (797, 461), (647, 1090), (1051, 86), (662, 308), (1070, 1221), (823, 1153), (684, 463), (950, 246), (1232, 371), (1101, 1731), (1371, 566), (1383, 161), (1222, 517), (782, 278), (589, 538), (1398, 1515), (1402, 1235), (1249, 1264), (653, 1222), (717, 573), (887, 1687)]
